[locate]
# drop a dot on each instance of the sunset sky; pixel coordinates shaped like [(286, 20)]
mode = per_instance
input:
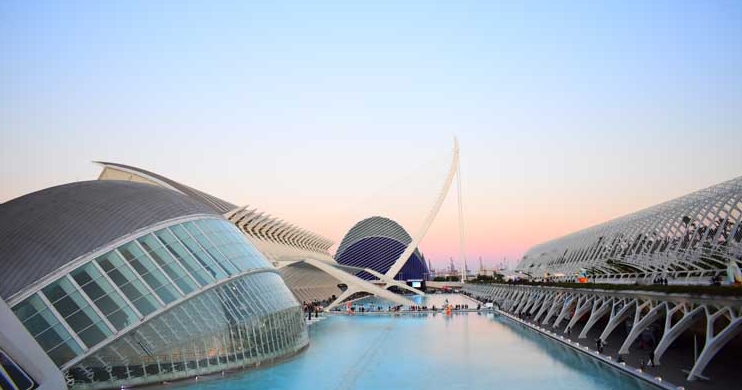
[(326, 113)]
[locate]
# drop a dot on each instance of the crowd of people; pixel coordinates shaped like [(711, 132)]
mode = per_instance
[(660, 281), (315, 307), (401, 308)]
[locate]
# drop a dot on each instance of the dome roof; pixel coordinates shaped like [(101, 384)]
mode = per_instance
[(373, 227), (376, 243), (42, 231)]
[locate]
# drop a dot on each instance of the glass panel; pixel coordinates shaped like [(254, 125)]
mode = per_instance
[(233, 244), (76, 311), (104, 296), (212, 229), (149, 272), (203, 258), (46, 329), (53, 336), (184, 257), (130, 285), (34, 315), (211, 248), (167, 262), (65, 351)]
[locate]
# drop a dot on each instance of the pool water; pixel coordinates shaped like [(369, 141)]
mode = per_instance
[(373, 303), (426, 351)]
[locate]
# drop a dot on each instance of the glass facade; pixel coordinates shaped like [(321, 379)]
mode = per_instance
[(147, 293), (249, 320)]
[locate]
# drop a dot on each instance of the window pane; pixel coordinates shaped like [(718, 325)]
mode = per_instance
[(214, 252), (232, 243), (76, 311), (184, 257), (105, 297), (203, 258), (129, 284), (46, 329), (149, 272), (34, 315), (167, 262), (65, 351)]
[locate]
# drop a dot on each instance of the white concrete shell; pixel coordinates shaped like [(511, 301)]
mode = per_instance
[(688, 239)]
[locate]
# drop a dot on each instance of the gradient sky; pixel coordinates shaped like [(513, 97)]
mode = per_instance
[(567, 115)]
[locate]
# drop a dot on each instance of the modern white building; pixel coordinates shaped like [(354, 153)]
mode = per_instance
[(122, 283), (687, 240)]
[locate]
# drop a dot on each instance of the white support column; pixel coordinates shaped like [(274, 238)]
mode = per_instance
[(673, 331), (518, 300), (507, 299), (554, 306), (617, 317), (641, 323), (570, 302), (545, 305), (527, 297), (600, 309), (583, 305), (535, 298), (714, 343), (535, 302)]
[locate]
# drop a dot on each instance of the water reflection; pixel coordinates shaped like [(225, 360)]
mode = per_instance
[(461, 351)]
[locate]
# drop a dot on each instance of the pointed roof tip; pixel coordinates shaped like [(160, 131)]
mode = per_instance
[(220, 205)]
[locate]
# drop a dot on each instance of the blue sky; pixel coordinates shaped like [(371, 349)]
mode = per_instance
[(568, 114)]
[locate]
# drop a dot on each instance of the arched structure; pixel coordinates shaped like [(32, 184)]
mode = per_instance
[(412, 246), (376, 243), (387, 278), (125, 283), (689, 239)]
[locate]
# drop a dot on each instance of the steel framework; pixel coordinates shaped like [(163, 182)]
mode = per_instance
[(677, 313), (688, 239)]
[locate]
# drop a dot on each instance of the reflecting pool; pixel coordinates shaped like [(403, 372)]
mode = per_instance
[(430, 300), (426, 351)]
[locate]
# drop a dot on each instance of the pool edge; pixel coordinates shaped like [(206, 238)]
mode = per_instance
[(605, 359)]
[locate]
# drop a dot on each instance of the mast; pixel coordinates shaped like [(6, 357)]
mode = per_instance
[(462, 255)]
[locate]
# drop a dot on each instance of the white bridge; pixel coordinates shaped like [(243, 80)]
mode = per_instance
[(387, 280)]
